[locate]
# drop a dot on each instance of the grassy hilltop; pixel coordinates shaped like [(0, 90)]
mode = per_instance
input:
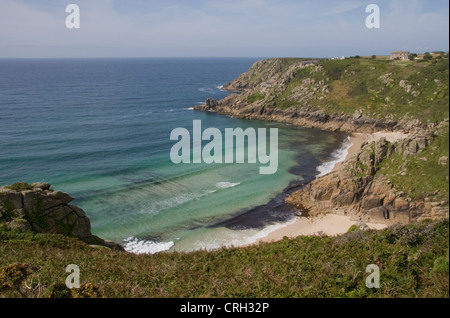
[(373, 87)]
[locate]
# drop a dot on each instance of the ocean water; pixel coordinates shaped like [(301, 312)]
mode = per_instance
[(99, 129)]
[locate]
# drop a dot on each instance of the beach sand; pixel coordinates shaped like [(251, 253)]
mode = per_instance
[(329, 224), (332, 224)]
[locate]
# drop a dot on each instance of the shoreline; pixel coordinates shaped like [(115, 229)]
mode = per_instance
[(332, 224)]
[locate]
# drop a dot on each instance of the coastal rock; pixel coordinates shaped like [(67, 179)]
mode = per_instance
[(443, 160), (357, 189), (41, 185), (210, 102), (360, 225), (38, 208)]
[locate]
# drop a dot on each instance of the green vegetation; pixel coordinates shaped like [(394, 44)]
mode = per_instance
[(427, 56), (352, 228), (255, 97), (377, 88), (423, 176), (19, 186), (6, 210), (413, 262)]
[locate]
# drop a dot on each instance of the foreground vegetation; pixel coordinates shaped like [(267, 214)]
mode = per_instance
[(413, 262)]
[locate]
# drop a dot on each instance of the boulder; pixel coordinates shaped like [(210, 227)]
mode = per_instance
[(11, 198), (34, 200), (401, 204), (443, 160), (41, 185), (370, 202), (360, 225), (379, 214), (44, 211), (211, 103)]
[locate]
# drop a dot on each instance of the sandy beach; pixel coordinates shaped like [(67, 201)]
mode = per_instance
[(332, 224)]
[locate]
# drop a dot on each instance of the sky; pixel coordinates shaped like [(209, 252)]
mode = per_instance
[(221, 28)]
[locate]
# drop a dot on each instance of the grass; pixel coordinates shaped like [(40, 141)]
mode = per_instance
[(372, 86), (424, 176), (255, 97), (413, 261), (19, 186)]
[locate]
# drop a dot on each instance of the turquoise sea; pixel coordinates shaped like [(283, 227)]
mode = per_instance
[(99, 129)]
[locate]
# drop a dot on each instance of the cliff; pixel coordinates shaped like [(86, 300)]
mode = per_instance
[(365, 188), (354, 94), (384, 182), (40, 209)]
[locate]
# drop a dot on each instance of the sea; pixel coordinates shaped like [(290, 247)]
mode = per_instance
[(99, 129)]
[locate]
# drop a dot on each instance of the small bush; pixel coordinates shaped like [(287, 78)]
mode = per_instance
[(409, 235), (12, 275), (7, 210), (255, 97), (86, 291), (441, 264), (59, 291), (19, 186)]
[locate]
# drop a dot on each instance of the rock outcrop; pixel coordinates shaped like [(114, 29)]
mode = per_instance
[(358, 191), (302, 116), (40, 209), (324, 94)]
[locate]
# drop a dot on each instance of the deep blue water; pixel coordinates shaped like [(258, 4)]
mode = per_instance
[(99, 129)]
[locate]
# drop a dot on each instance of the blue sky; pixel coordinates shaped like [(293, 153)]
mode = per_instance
[(238, 28)]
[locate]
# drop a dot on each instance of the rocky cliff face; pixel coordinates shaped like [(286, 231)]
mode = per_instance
[(358, 190), (350, 95), (233, 106), (40, 209)]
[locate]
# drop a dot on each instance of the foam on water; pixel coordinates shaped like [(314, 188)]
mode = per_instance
[(337, 156), (140, 246), (223, 237), (225, 185)]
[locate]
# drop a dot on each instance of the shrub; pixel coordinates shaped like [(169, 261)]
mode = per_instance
[(255, 97), (6, 210), (441, 264), (19, 186), (86, 291), (427, 56), (59, 291), (13, 276), (412, 56)]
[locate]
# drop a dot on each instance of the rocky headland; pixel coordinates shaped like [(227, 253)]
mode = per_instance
[(339, 96)]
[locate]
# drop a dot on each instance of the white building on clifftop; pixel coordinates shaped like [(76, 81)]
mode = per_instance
[(402, 55)]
